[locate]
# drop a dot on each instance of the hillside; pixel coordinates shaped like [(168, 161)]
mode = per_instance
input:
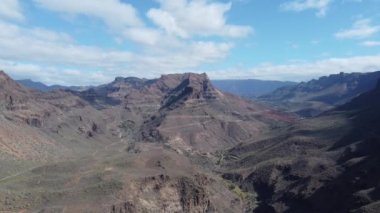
[(326, 164), (314, 97), (50, 123)]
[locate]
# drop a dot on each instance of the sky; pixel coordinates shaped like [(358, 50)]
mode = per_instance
[(90, 42)]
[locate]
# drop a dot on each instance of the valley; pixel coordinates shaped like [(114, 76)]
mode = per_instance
[(154, 140), (177, 144)]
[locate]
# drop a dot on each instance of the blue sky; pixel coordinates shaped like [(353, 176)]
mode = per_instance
[(92, 41)]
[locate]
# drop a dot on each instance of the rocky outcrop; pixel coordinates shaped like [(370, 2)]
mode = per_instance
[(169, 194), (126, 207), (193, 196), (193, 87)]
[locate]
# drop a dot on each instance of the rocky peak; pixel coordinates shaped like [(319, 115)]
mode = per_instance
[(192, 87), (128, 82), (201, 86)]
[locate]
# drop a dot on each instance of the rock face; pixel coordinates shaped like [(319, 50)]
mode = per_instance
[(194, 87), (314, 97)]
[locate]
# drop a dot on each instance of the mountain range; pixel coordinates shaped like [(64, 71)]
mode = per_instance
[(250, 88), (316, 96), (45, 88), (179, 144)]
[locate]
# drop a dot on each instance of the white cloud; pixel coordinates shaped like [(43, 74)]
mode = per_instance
[(49, 47), (53, 75), (171, 47), (11, 9), (143, 35), (167, 22), (114, 13), (300, 5), (361, 29), (55, 58), (178, 22), (189, 56), (185, 19), (303, 71), (370, 43), (47, 55)]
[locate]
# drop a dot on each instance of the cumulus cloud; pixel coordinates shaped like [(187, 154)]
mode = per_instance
[(179, 41), (41, 52), (362, 28), (114, 13), (50, 47), (176, 23), (185, 18), (300, 5), (11, 9), (180, 18)]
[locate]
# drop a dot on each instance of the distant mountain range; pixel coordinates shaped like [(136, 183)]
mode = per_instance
[(250, 88), (316, 96), (45, 88), (306, 99)]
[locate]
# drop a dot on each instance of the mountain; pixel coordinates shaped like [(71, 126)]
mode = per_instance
[(185, 110), (44, 88), (250, 88), (329, 163), (133, 145), (35, 85), (316, 96)]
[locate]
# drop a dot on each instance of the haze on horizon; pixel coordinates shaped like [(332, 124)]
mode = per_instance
[(90, 42)]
